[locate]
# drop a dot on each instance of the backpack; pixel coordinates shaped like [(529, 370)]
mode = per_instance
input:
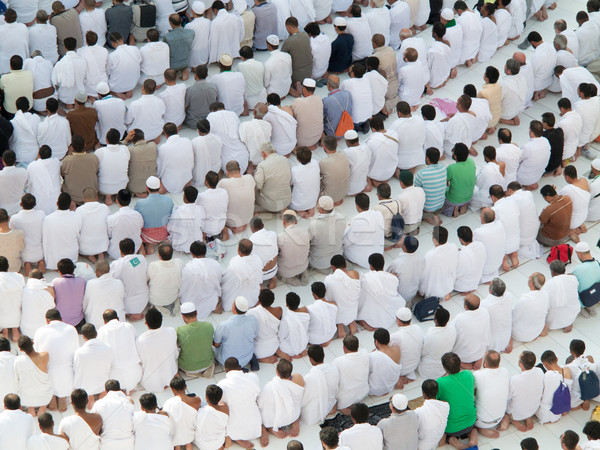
[(562, 252), (561, 400), (344, 124), (425, 308), (589, 384), (397, 224)]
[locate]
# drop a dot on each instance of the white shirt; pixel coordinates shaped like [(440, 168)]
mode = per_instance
[(96, 58), (30, 221), (113, 161), (215, 202), (91, 365), (492, 395), (94, 234), (12, 186), (201, 28), (174, 99), (359, 28), (164, 279), (93, 21), (155, 60), (15, 41), (305, 186), (42, 78), (42, 37), (362, 103), (123, 68), (278, 73), (412, 201), (185, 226), (111, 114), (175, 163), (147, 114), (321, 51), (362, 436), (254, 75), (55, 132), (231, 87), (122, 224)]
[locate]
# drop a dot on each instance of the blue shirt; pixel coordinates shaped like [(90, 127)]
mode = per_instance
[(333, 106), (341, 53), (587, 273), (433, 181), (155, 209), (236, 336)]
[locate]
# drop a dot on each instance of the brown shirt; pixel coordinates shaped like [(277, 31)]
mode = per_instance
[(335, 175), (556, 218), (79, 171), (83, 122), (142, 164), (67, 25)]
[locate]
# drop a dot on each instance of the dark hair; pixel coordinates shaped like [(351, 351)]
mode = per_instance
[(91, 38), (9, 158), (303, 154), (438, 29), (430, 388), (284, 369), (312, 29), (177, 383), (460, 151), (127, 246), (433, 155), (16, 62), (329, 436), (492, 74), (549, 119), (529, 443), (70, 44), (112, 385), (22, 103), (338, 261), (25, 344), (266, 297), (78, 143), (534, 36), (109, 314), (88, 331), (165, 251), (292, 22), (198, 248), (428, 112), (569, 438), (214, 394), (504, 135), (592, 430), (362, 201), (358, 70), (318, 288), (4, 344), (360, 412), (489, 152), (201, 72), (65, 266), (527, 358), (212, 179), (441, 316), (4, 264), (377, 261), (79, 399), (53, 314), (292, 301), (148, 401), (382, 336), (273, 99), (440, 234), (465, 233), (451, 363), (351, 343), (245, 247), (154, 318), (577, 347), (113, 136), (316, 353), (547, 191), (470, 90)]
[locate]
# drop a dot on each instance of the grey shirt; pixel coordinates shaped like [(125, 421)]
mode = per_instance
[(180, 42), (400, 431), (265, 24), (198, 98), (118, 19), (326, 236)]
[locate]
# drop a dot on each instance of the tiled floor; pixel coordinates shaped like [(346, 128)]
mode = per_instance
[(516, 280)]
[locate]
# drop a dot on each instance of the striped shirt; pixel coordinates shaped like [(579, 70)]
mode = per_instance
[(433, 181)]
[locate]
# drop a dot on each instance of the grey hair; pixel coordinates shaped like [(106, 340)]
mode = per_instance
[(498, 287), (538, 280), (560, 25), (267, 148), (36, 53), (405, 33), (332, 83), (557, 267), (513, 66), (560, 41)]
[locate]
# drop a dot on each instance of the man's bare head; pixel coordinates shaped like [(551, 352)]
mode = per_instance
[(260, 110), (520, 56)]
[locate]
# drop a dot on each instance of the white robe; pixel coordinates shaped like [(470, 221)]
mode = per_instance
[(201, 28), (16, 427), (481, 108), (81, 436), (320, 388), (581, 202), (588, 35), (280, 403), (433, 416), (116, 410), (101, 294), (529, 315), (12, 183), (322, 325), (91, 366), (500, 312), (185, 226), (589, 110), (131, 270), (571, 123), (437, 341), (454, 36), (525, 393), (123, 68), (359, 158), (384, 373), (408, 267), (43, 182), (69, 77), (211, 428), (471, 259), (184, 420), (155, 60), (594, 212), (489, 39), (122, 224), (36, 300), (175, 163), (354, 377), (379, 299), (514, 95), (33, 385), (379, 87), (529, 224), (43, 441), (492, 387), (409, 339), (543, 62), (254, 133), (345, 292), (266, 342), (283, 126), (158, 353), (518, 13), (507, 211), (552, 380), (55, 132), (564, 303), (470, 22), (492, 237), (473, 335), (61, 237), (113, 167), (111, 114), (458, 129), (152, 430), (364, 236), (125, 368), (384, 155), (31, 222), (487, 176), (8, 378), (201, 285), (570, 80), (242, 277), (439, 273), (24, 137), (240, 391), (207, 156), (411, 137), (226, 34), (438, 60), (96, 58), (11, 291), (60, 340), (93, 239), (278, 73), (225, 125), (293, 332)]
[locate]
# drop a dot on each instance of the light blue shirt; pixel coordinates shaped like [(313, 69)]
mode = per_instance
[(155, 209), (587, 273), (236, 336), (433, 181)]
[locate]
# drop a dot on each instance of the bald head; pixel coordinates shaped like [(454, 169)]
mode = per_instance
[(536, 281), (260, 110), (333, 82), (405, 33), (520, 56), (472, 302)]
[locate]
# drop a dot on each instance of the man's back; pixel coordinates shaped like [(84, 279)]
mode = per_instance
[(118, 19), (116, 410), (195, 345), (400, 431), (335, 175), (15, 428), (298, 46)]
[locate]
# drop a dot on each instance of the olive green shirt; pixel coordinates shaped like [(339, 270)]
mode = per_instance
[(195, 346)]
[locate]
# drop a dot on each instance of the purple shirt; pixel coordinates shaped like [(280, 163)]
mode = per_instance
[(69, 290)]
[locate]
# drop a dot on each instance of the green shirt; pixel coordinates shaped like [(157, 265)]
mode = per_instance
[(461, 181), (195, 343), (459, 391)]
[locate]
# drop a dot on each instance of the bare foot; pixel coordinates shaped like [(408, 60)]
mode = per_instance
[(519, 425), (295, 429), (489, 433)]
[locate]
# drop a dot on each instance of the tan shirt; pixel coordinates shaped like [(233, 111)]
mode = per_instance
[(308, 111), (240, 208), (79, 171), (17, 83), (335, 175), (11, 246), (391, 207), (273, 183), (326, 237), (493, 94), (142, 164), (294, 246), (389, 66), (67, 25)]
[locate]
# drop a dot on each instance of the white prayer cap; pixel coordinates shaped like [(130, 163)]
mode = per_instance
[(81, 97), (350, 135), (596, 164), (153, 183), (582, 247), (273, 39), (102, 88), (198, 7), (326, 202), (340, 22), (309, 83), (447, 14), (241, 304), (400, 402), (404, 314), (226, 60), (290, 212), (188, 308)]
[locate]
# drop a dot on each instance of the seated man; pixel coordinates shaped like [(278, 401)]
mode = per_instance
[(82, 428), (579, 363), (194, 340), (116, 411), (492, 235), (269, 320), (102, 293), (47, 438), (530, 311), (211, 420), (499, 304), (280, 401), (365, 235), (461, 182), (437, 341), (555, 218), (151, 427), (473, 335), (156, 210), (353, 367), (362, 434), (242, 277), (401, 426), (439, 273), (273, 181), (164, 280), (322, 326), (525, 393), (320, 388), (457, 388), (471, 259), (578, 190), (409, 339), (235, 336), (294, 246), (535, 155), (343, 288), (384, 364), (563, 298), (554, 377), (433, 416), (491, 383), (185, 408), (293, 330)]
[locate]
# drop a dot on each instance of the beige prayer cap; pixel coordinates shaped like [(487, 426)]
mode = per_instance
[(596, 164), (188, 308), (153, 183), (198, 7), (326, 202), (400, 402), (404, 314), (226, 60), (241, 304), (273, 39), (290, 212)]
